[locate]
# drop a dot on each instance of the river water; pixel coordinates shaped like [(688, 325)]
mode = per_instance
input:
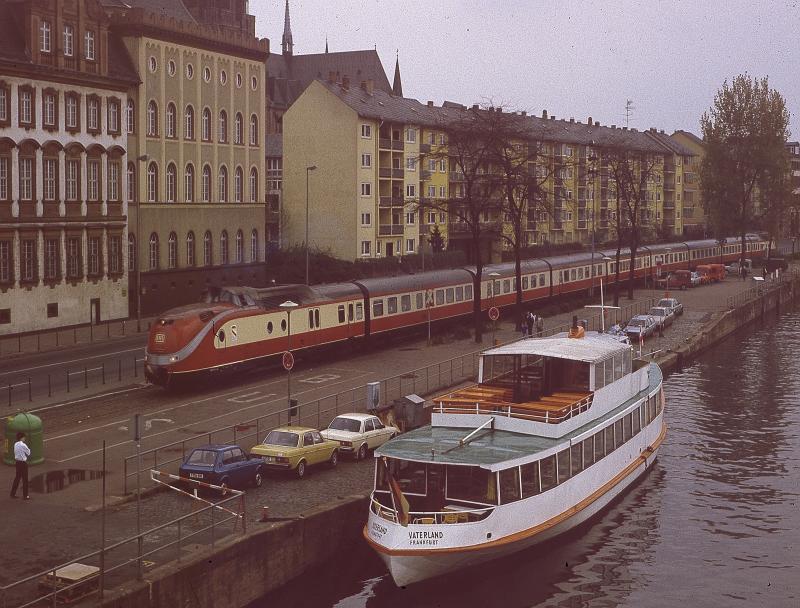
[(715, 523)]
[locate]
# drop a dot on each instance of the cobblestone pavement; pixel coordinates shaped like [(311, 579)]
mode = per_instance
[(56, 527)]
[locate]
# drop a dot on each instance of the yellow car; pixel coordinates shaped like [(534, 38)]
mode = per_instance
[(294, 448)]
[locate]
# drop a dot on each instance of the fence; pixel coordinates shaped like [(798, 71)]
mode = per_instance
[(320, 412), (123, 560), (763, 287)]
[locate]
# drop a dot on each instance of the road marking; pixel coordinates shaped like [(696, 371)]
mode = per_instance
[(28, 369), (148, 424), (249, 397), (321, 379)]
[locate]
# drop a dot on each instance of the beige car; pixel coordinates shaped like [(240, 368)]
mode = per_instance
[(358, 433), (295, 448)]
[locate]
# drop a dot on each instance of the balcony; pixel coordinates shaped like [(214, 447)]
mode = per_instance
[(397, 173), (456, 176), (424, 148), (394, 229), (385, 172), (384, 143), (391, 201), (397, 145)]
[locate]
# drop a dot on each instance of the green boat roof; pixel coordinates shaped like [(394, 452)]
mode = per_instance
[(489, 449)]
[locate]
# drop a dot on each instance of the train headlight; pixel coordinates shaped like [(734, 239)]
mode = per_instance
[(173, 358)]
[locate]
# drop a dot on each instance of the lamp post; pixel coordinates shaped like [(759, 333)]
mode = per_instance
[(288, 306), (606, 259), (308, 172), (666, 294), (492, 276), (138, 257), (592, 175)]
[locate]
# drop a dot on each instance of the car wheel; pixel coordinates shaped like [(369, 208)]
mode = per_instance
[(258, 479), (300, 471), (334, 460), (362, 452)]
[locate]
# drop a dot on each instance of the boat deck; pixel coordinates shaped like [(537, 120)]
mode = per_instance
[(499, 400)]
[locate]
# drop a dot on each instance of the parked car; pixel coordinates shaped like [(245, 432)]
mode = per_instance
[(295, 448), (679, 279), (663, 315), (711, 273), (640, 324), (696, 279), (222, 465), (718, 272), (358, 433), (672, 303)]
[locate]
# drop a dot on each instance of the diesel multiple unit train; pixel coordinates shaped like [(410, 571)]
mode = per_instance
[(236, 325)]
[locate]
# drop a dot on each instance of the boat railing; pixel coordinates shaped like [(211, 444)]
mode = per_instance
[(452, 514), (550, 415)]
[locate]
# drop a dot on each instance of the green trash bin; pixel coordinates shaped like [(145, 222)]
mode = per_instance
[(34, 436)]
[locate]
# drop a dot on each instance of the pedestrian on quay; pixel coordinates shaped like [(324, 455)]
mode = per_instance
[(530, 321), (523, 325), (539, 326), (21, 454)]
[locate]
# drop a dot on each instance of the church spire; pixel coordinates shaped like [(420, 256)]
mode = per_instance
[(397, 87), (326, 45), (286, 41)]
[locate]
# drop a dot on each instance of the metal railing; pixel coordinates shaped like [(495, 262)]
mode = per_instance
[(508, 410)]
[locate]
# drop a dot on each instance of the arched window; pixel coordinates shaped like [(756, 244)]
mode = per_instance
[(254, 246), (223, 247), (222, 136), (171, 120), (206, 126), (188, 127), (253, 130), (206, 185), (153, 251), (253, 185), (131, 182), (238, 185), (188, 183), (130, 116), (152, 182), (152, 118), (172, 250), (131, 252), (238, 137), (223, 184), (208, 258), (239, 247), (172, 182), (190, 261)]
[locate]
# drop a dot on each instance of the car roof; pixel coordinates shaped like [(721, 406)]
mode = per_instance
[(356, 416), (216, 447), (294, 429)]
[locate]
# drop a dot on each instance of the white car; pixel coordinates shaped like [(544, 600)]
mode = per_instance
[(358, 433)]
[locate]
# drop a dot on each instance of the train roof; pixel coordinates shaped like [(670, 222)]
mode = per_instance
[(506, 269), (338, 291), (415, 282)]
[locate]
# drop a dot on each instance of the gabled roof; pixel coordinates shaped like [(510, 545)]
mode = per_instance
[(669, 143), (691, 137), (169, 8)]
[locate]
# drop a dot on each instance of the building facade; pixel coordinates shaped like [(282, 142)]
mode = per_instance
[(64, 84), (196, 162), (695, 221)]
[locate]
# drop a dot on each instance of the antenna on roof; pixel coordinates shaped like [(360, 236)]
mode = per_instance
[(629, 108)]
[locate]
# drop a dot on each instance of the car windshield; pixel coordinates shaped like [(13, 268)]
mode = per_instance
[(205, 458), (345, 424), (637, 322), (665, 303), (281, 438), (659, 312)]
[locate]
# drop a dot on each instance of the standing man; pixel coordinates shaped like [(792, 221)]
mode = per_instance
[(21, 454)]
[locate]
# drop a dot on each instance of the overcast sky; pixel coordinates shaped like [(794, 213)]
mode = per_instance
[(574, 59)]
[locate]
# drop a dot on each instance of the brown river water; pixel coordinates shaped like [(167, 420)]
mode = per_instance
[(715, 523)]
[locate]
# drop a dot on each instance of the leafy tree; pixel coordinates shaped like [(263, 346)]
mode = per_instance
[(744, 131), (436, 240)]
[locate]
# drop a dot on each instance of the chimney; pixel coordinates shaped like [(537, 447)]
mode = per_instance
[(572, 119), (499, 110), (523, 113), (624, 128), (544, 114), (589, 122), (370, 86), (430, 104), (596, 123), (613, 126), (661, 131), (552, 118), (346, 82), (475, 106)]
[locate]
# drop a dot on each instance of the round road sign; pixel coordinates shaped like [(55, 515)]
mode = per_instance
[(288, 361), (494, 313)]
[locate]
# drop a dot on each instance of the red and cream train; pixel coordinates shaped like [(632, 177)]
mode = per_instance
[(236, 325)]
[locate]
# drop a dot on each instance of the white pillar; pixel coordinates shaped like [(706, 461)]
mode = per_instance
[(62, 183), (83, 189)]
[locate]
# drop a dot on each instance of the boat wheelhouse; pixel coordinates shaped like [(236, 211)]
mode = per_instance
[(554, 429)]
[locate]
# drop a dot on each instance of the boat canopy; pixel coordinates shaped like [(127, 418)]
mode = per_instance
[(590, 349)]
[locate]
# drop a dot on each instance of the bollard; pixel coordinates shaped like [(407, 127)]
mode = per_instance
[(49, 387), (264, 513), (29, 390), (85, 378)]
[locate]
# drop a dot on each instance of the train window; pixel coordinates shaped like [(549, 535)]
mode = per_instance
[(283, 324), (524, 283), (514, 283), (506, 286), (420, 300), (310, 319), (316, 318), (496, 288), (439, 297), (586, 271), (221, 335), (565, 276), (359, 311), (541, 280), (459, 293), (468, 292), (341, 313), (391, 305), (377, 308), (450, 295), (350, 312), (269, 327), (580, 272), (572, 274), (489, 289), (405, 303)]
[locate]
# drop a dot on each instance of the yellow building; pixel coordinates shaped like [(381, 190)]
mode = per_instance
[(694, 216)]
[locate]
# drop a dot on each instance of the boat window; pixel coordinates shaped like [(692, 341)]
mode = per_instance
[(530, 479), (548, 472), (377, 308), (599, 379), (563, 465), (391, 305), (468, 292), (618, 366), (310, 319), (599, 445), (588, 451), (651, 409), (576, 458), (359, 311), (451, 295), (410, 475), (643, 413), (627, 428), (405, 303), (459, 293), (609, 435), (489, 289), (627, 362), (609, 371), (439, 297), (419, 300), (618, 434), (341, 313), (524, 283), (471, 484), (509, 485)]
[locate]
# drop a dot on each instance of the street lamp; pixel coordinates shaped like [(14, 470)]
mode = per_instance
[(606, 259), (492, 276), (592, 176), (308, 172), (138, 257), (288, 306)]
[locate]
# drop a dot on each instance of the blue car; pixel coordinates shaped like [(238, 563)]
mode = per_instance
[(223, 465)]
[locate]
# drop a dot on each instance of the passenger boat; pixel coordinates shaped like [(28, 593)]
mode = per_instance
[(555, 429)]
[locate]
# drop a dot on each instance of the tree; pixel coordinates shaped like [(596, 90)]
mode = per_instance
[(436, 240), (744, 131)]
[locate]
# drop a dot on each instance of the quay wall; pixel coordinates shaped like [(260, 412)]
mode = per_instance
[(244, 568)]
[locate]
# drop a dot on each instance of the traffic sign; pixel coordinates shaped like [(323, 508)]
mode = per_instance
[(288, 361), (494, 313)]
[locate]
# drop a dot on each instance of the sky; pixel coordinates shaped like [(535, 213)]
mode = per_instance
[(571, 58)]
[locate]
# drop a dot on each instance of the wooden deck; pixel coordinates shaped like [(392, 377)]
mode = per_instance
[(498, 400)]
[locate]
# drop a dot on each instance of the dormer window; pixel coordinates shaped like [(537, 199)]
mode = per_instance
[(44, 37), (89, 46), (68, 37)]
